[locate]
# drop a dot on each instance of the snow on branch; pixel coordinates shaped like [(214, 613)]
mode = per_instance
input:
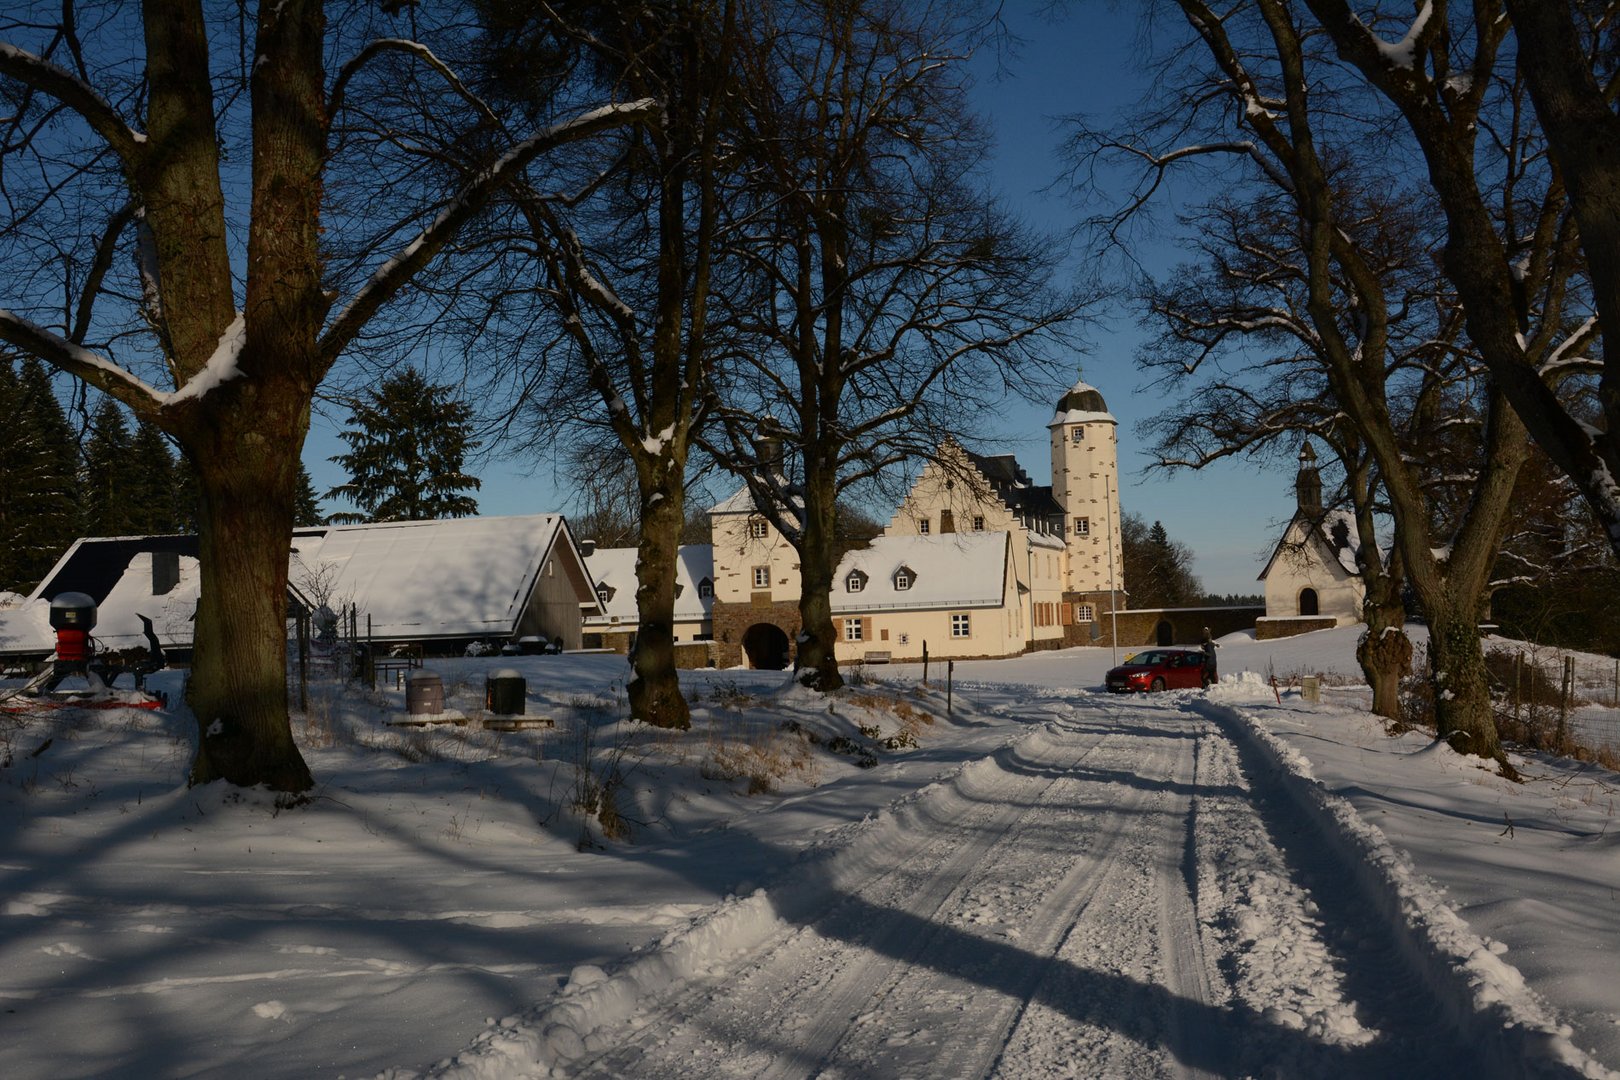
[(1403, 53), (221, 367), (48, 78), (76, 360), (392, 275)]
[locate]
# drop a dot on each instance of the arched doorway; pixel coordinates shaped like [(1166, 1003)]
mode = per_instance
[(1307, 602), (766, 647), (1164, 634)]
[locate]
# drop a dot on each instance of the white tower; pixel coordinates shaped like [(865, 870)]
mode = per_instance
[(1085, 482)]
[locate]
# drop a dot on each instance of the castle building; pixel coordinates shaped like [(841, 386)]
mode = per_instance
[(977, 560)]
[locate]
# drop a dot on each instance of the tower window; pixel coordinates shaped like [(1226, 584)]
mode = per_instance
[(762, 577), (978, 523), (758, 528), (1078, 435), (1082, 526)]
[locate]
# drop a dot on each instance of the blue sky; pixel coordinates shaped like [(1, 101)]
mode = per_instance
[(1229, 515)]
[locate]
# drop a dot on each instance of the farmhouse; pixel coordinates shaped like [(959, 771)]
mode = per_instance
[(437, 584)]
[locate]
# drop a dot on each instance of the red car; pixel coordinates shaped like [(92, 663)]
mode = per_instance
[(1160, 669)]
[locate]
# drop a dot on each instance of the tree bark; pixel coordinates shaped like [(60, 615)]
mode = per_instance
[(1462, 699), (237, 689), (816, 659), (655, 688), (1385, 655)]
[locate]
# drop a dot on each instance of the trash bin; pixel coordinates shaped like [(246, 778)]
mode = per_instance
[(504, 693), (424, 694)]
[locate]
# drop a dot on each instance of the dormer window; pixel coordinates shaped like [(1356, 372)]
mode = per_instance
[(855, 582), (604, 593), (903, 578), (706, 589), (758, 528), (679, 588)]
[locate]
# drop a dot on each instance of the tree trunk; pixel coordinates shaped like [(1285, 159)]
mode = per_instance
[(1462, 697), (1385, 656), (655, 688), (238, 689), (816, 660)]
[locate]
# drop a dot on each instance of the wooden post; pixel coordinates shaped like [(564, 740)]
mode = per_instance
[(371, 660), (1566, 692), (1518, 666), (303, 661), (925, 663), (950, 678)]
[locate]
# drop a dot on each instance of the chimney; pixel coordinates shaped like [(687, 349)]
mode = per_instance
[(165, 571), (587, 548)]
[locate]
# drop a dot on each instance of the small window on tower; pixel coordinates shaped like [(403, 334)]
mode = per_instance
[(1078, 435), (978, 523), (1082, 526), (758, 528), (762, 577)]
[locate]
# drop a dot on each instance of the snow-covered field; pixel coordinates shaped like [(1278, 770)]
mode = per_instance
[(1045, 882)]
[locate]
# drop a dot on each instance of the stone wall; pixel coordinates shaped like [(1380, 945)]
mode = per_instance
[(1140, 626), (1271, 629), (731, 622)]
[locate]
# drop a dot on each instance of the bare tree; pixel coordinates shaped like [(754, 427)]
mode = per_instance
[(167, 223), (1437, 74), (1277, 108), (885, 297)]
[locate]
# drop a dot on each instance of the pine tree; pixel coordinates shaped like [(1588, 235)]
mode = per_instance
[(307, 510), (407, 445), (109, 473), (41, 515), (153, 495)]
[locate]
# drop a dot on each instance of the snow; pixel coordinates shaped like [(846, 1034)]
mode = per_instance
[(948, 570), (460, 577), (616, 568), (221, 367), (1046, 881), (1403, 53)]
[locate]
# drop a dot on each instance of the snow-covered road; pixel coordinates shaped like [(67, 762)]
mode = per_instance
[(1106, 896)]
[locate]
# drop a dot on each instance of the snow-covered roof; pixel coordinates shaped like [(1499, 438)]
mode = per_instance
[(616, 569), (742, 502), (1083, 404), (461, 577), (951, 570), (1328, 530)]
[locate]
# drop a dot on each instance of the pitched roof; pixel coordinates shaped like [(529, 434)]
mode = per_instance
[(616, 568), (952, 570), (458, 577), (1012, 485), (1328, 530)]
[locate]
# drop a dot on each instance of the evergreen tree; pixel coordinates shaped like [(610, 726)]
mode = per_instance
[(155, 496), (39, 515), (109, 474), (307, 510), (407, 444), (1158, 570)]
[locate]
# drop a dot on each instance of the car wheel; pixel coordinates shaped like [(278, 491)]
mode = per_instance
[(1157, 685)]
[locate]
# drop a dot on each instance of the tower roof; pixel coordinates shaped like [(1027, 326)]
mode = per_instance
[(1083, 404)]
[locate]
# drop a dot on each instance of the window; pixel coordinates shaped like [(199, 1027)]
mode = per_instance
[(603, 593), (960, 626), (762, 577), (853, 630), (1085, 613), (855, 582), (922, 526), (758, 528), (978, 523), (1082, 526), (902, 580), (706, 589), (1078, 435)]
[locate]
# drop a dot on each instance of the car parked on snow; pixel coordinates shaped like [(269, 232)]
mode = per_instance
[(1159, 669)]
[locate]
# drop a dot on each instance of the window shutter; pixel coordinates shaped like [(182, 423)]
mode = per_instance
[(866, 628), (1067, 613)]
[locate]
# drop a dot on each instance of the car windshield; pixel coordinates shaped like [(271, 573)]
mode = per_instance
[(1149, 659)]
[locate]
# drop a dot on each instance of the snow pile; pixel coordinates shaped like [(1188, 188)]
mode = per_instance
[(1490, 1004)]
